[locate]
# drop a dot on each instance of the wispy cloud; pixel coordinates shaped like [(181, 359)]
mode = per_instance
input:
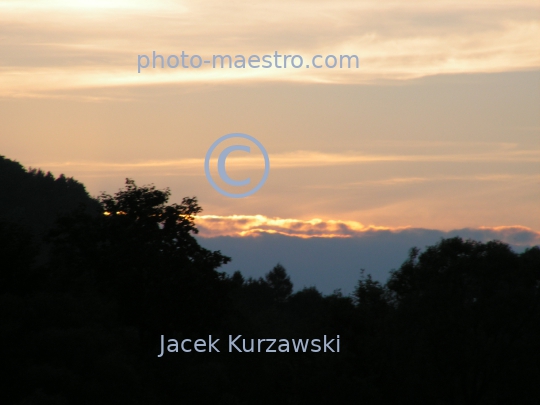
[(57, 46), (397, 181), (307, 159)]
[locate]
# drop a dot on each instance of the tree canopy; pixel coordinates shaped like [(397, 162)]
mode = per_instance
[(457, 323)]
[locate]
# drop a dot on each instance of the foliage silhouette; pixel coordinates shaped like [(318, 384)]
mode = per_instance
[(35, 199), (279, 282), (141, 253), (465, 313), (458, 322)]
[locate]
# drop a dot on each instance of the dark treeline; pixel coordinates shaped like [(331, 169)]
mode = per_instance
[(458, 323), (35, 199)]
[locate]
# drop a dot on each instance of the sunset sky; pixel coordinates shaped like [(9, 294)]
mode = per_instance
[(438, 128)]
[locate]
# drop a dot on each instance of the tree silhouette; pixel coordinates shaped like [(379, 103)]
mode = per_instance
[(465, 314), (457, 323), (141, 253), (35, 199), (279, 282)]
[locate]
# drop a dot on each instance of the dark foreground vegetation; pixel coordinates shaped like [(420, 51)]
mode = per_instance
[(84, 301)]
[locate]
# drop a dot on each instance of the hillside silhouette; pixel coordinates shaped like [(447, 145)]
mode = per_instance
[(34, 199), (457, 323)]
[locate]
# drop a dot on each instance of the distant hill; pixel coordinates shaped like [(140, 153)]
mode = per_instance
[(35, 199)]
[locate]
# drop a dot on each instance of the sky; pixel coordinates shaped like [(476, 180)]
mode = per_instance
[(438, 128)]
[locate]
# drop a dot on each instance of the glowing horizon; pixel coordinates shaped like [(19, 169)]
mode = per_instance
[(212, 226), (438, 128)]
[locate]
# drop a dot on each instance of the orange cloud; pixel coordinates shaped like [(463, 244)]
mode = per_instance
[(254, 225)]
